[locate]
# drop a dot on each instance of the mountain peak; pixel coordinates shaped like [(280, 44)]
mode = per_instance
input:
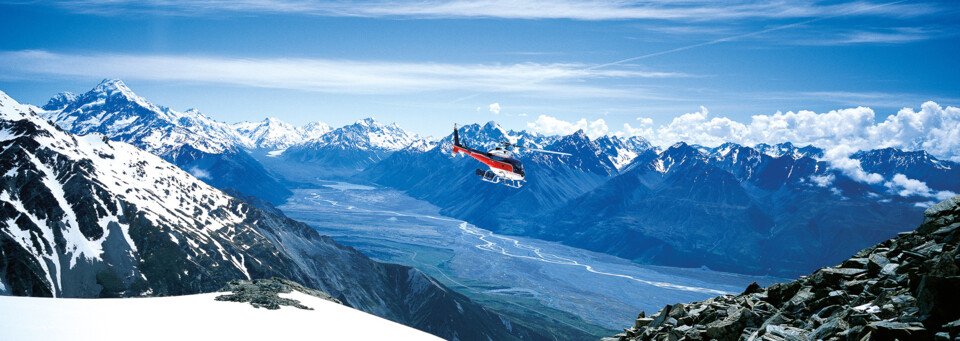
[(60, 101), (274, 121), (112, 86), (368, 122)]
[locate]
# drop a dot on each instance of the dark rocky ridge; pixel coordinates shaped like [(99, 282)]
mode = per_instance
[(265, 293), (901, 289)]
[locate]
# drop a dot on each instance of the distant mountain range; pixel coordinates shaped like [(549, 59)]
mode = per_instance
[(775, 210), (84, 216), (767, 209)]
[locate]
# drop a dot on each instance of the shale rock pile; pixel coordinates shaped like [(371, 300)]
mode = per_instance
[(265, 293), (906, 288)]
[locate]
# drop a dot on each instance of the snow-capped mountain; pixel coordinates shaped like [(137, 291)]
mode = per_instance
[(365, 134), (918, 165), (344, 151), (209, 149), (274, 134), (112, 109), (84, 216), (785, 148), (622, 151)]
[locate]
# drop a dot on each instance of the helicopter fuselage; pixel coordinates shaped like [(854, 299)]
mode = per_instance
[(500, 162)]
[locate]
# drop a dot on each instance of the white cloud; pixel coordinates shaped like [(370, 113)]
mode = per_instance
[(550, 125), (822, 180), (898, 35), (839, 158), (199, 173), (906, 187), (934, 129), (495, 108), (328, 75)]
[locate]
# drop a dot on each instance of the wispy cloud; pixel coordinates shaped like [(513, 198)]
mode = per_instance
[(898, 35), (853, 98), (697, 10), (331, 76)]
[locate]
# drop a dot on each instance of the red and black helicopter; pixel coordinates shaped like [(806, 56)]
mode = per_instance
[(504, 167)]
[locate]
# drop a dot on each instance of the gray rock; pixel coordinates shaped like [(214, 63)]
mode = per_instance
[(642, 322), (786, 332), (876, 263), (888, 330), (265, 293)]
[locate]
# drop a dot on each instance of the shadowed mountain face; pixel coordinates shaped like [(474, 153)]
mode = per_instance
[(901, 289), (84, 216), (767, 210)]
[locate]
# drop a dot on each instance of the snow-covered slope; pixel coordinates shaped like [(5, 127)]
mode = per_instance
[(274, 134), (194, 317)]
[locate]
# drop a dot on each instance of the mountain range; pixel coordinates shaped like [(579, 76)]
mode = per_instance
[(86, 216), (131, 210), (777, 210), (685, 205)]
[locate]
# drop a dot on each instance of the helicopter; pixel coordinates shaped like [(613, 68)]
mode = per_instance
[(504, 167)]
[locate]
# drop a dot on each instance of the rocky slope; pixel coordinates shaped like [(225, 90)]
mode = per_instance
[(902, 289), (84, 216)]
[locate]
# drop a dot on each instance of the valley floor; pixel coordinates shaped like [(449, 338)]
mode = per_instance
[(192, 317), (519, 277)]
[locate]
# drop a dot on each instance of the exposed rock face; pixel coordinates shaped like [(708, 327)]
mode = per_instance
[(902, 289), (265, 293)]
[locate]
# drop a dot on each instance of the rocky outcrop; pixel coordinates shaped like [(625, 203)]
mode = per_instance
[(902, 289), (266, 293)]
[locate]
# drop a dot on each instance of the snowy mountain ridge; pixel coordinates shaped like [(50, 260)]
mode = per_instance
[(112, 170), (365, 134), (274, 134), (114, 110)]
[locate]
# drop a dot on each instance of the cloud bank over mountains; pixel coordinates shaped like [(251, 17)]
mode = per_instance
[(840, 133), (933, 128)]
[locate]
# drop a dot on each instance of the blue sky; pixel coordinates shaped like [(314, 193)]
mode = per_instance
[(550, 66)]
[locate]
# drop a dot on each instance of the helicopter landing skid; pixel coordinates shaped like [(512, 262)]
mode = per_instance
[(488, 176), (492, 177)]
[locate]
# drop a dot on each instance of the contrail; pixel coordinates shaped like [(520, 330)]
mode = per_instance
[(778, 28)]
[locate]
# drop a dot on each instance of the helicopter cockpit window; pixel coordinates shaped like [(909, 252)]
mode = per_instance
[(517, 166)]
